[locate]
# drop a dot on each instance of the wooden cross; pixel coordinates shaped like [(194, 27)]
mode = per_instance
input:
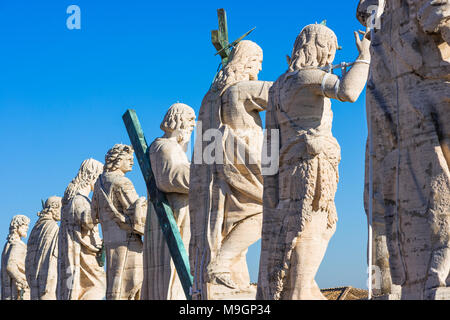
[(160, 204), (219, 37)]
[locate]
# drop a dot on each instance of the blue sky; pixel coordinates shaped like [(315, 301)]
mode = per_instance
[(63, 92)]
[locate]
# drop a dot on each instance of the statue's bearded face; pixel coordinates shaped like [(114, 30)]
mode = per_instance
[(56, 214), (253, 67), (188, 125)]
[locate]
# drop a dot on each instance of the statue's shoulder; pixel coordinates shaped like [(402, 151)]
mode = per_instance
[(116, 180), (160, 144), (18, 244), (247, 84)]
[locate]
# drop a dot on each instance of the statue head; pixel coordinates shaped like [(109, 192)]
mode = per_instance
[(244, 64), (119, 157), (315, 46), (179, 122), (88, 173), (52, 208), (18, 227)]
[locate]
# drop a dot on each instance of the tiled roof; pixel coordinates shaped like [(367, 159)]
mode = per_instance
[(345, 293)]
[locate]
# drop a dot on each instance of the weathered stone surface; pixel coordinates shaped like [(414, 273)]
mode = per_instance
[(170, 167), (299, 212), (409, 110), (225, 197), (41, 263), (121, 213), (14, 281), (80, 277)]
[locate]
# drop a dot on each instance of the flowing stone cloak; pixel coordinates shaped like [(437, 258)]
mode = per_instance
[(80, 277), (226, 189), (171, 170), (13, 267), (124, 247), (306, 182), (408, 103), (41, 263)]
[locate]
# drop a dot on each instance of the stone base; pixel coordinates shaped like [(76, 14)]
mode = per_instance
[(442, 293), (387, 297), (221, 292)]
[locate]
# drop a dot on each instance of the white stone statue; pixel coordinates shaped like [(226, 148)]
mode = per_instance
[(41, 263), (80, 276), (122, 214), (14, 281), (226, 185), (409, 111), (299, 212), (170, 167)]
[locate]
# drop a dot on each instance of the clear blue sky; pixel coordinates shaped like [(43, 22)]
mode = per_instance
[(63, 92)]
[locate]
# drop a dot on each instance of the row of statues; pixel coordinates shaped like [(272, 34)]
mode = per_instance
[(223, 202)]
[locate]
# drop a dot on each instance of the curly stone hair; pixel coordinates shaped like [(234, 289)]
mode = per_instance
[(89, 171), (16, 222), (315, 46), (175, 117), (115, 155), (235, 70), (52, 205)]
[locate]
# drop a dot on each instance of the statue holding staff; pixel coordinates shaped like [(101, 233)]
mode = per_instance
[(299, 212), (225, 197), (170, 167)]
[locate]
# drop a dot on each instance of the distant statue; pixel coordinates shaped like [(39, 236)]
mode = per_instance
[(299, 211), (409, 112), (14, 281), (122, 216), (170, 167), (226, 184), (80, 273), (41, 263)]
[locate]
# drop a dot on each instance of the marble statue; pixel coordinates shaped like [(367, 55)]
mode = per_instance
[(170, 167), (80, 275), (226, 185), (41, 263), (14, 281), (409, 111), (122, 214), (299, 212)]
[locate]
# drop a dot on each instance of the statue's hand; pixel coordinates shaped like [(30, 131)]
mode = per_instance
[(363, 45), (22, 284)]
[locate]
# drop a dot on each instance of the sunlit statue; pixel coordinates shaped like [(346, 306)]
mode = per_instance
[(14, 281), (80, 274), (226, 184), (122, 214), (170, 167), (41, 263), (409, 113), (299, 211)]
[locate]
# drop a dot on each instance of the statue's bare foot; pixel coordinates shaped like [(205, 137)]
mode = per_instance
[(225, 279)]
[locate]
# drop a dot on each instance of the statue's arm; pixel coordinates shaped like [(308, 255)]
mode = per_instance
[(17, 253), (353, 82), (83, 214), (255, 94), (171, 174)]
